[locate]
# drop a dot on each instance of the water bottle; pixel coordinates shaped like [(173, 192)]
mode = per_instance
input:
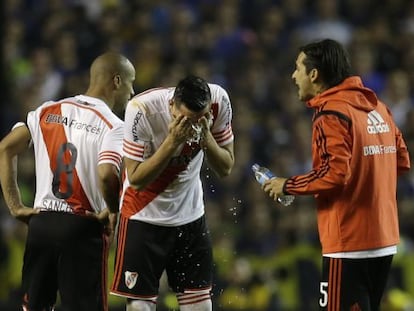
[(262, 174)]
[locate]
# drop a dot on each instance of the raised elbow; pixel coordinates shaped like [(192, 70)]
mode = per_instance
[(225, 172)]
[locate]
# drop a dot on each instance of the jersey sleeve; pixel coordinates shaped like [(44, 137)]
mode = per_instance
[(222, 129), (136, 137), (32, 120), (332, 153), (111, 149)]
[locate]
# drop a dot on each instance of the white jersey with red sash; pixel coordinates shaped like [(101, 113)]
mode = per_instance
[(71, 137), (176, 196)]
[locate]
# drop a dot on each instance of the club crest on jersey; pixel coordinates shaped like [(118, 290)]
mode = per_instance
[(130, 279)]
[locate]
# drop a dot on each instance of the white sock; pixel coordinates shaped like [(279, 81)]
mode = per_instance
[(141, 305), (195, 300), (204, 305)]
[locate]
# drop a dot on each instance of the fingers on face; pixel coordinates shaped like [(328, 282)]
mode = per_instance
[(203, 121), (181, 120)]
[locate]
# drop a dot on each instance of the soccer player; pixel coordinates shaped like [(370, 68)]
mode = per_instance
[(77, 148), (162, 226)]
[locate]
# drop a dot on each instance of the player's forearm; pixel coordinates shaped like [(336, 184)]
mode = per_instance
[(8, 179), (10, 147), (109, 185), (110, 190), (142, 174), (220, 159)]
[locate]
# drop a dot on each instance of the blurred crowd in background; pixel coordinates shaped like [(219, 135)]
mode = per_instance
[(267, 257)]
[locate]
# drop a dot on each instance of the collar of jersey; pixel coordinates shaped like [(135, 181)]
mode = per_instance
[(90, 99)]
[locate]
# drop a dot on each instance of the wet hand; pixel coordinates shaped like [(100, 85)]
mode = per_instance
[(180, 129), (205, 123)]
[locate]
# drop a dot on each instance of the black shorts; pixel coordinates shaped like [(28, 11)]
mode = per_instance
[(65, 253), (353, 284), (144, 251)]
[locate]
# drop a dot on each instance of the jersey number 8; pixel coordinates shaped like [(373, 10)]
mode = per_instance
[(63, 167)]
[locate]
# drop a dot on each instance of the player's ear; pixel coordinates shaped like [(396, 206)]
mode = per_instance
[(117, 81), (314, 73)]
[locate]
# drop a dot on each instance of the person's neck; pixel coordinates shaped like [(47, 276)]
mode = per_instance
[(319, 88), (100, 95)]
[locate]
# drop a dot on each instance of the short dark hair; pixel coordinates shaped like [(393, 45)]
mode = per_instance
[(193, 92), (330, 59)]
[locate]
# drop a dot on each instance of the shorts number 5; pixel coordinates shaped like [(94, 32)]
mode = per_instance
[(323, 288)]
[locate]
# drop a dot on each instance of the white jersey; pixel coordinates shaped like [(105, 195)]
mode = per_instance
[(71, 138), (176, 196)]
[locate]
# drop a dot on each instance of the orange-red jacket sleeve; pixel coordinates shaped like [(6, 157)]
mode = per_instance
[(331, 152)]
